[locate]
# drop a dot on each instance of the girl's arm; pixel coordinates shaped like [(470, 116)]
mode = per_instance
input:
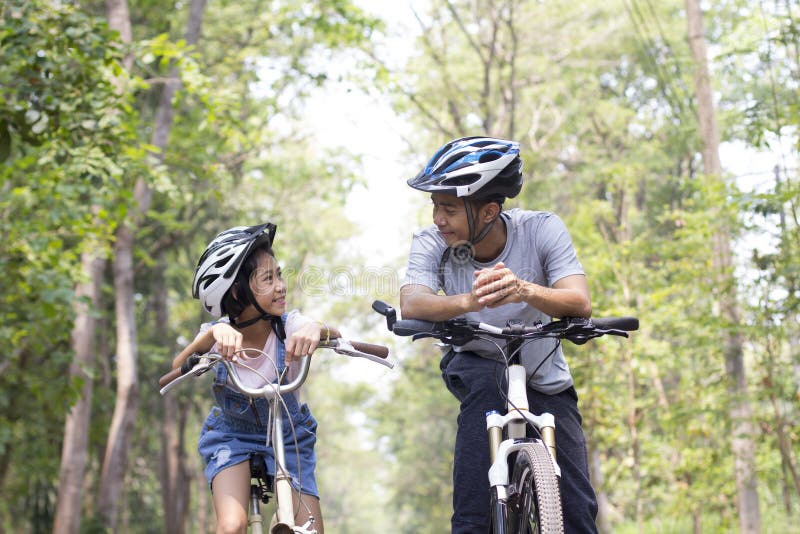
[(305, 339), (225, 336)]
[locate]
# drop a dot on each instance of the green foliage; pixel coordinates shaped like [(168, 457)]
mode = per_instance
[(66, 136), (601, 99), (418, 421), (352, 476), (75, 134)]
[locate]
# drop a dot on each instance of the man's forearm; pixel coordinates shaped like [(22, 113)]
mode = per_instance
[(432, 307), (557, 302)]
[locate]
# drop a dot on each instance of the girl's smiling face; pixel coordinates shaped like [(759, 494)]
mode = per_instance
[(269, 287)]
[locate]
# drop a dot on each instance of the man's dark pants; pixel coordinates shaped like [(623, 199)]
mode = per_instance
[(474, 381)]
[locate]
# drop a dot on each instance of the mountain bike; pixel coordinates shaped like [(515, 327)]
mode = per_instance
[(522, 443), (264, 486)]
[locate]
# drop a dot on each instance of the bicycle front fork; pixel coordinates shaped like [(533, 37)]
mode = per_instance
[(519, 414), (516, 419)]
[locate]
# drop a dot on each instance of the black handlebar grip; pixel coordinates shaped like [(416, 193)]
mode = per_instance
[(381, 307), (627, 324), (409, 327)]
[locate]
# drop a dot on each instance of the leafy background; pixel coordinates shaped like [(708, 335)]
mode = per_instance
[(604, 102)]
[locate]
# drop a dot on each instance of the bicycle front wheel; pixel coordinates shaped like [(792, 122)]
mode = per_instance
[(535, 507)]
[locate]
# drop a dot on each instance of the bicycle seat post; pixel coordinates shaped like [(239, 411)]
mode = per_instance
[(255, 519)]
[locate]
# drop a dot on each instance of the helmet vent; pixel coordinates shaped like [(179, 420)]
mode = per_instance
[(490, 156), (465, 179), (222, 262), (444, 167)]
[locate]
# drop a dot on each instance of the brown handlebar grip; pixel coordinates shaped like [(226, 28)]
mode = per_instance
[(376, 350), (169, 377)]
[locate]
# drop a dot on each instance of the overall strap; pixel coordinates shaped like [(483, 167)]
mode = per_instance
[(280, 357), (289, 405), (220, 374)]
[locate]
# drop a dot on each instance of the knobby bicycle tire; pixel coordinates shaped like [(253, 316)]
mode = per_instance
[(536, 506)]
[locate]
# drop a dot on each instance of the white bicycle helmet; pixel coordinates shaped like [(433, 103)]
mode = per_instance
[(219, 264), (477, 167)]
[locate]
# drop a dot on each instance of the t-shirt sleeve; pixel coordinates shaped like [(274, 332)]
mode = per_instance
[(423, 261), (554, 245), (294, 321), (205, 327)]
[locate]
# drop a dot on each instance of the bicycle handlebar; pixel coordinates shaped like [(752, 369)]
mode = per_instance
[(459, 331), (198, 364)]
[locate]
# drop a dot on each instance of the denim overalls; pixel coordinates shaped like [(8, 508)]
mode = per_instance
[(236, 429)]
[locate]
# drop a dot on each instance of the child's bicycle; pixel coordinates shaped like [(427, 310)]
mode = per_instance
[(263, 486), (529, 501)]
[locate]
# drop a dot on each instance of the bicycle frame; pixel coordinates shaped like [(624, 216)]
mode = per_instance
[(514, 422), (284, 506), (518, 415)]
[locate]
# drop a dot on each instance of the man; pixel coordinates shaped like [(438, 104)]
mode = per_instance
[(494, 266)]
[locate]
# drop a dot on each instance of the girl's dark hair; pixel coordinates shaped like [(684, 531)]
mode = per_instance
[(239, 295)]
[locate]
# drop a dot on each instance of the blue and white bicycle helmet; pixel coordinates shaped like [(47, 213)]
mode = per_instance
[(476, 167), (219, 264)]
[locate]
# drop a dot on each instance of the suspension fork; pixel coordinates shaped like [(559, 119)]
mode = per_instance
[(499, 492)]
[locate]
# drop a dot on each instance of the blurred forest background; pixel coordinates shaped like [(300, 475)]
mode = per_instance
[(131, 132)]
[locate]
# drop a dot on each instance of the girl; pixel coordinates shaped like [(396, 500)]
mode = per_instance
[(238, 279)]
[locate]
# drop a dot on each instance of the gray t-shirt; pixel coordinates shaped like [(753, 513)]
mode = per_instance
[(539, 250)]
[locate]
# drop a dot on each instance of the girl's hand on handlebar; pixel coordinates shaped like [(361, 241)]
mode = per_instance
[(304, 341), (229, 340), (496, 286)]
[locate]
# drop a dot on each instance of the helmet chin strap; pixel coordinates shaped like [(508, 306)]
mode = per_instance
[(277, 323), (465, 250), (472, 221)]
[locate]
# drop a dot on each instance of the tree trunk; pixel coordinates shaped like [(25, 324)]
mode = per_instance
[(115, 460), (116, 455), (116, 450), (740, 413), (603, 504), (633, 429), (175, 487), (75, 451), (175, 482)]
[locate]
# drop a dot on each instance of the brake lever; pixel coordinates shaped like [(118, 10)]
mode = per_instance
[(615, 332), (203, 364), (579, 338)]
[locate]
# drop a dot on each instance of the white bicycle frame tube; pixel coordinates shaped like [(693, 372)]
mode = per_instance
[(517, 400), (515, 419), (284, 511)]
